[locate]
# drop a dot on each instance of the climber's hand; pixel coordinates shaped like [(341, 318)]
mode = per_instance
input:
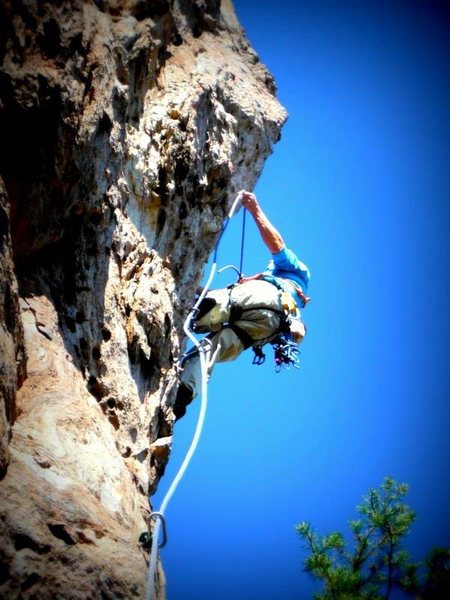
[(249, 201)]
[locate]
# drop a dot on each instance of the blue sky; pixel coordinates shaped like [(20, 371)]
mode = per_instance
[(359, 187)]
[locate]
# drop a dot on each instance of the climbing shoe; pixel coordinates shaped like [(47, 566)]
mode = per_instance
[(184, 397)]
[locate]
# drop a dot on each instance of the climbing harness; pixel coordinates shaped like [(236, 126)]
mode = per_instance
[(284, 339), (286, 352), (159, 515)]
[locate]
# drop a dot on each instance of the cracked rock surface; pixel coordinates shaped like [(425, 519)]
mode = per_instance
[(128, 127)]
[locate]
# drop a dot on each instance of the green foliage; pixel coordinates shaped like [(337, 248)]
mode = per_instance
[(437, 576), (376, 565)]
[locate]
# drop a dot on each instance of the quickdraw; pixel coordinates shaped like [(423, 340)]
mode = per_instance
[(285, 351), (286, 354)]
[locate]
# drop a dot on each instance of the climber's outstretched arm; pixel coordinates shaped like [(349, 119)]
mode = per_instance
[(270, 236)]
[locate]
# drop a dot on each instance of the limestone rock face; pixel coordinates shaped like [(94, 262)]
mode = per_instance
[(127, 128), (12, 349)]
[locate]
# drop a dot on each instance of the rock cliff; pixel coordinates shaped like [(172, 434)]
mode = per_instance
[(127, 127)]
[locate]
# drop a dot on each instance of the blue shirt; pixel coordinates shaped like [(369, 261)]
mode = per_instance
[(285, 265)]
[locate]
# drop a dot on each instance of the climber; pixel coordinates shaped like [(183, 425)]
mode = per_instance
[(249, 313)]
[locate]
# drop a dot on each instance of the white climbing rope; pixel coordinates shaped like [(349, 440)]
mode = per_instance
[(159, 515)]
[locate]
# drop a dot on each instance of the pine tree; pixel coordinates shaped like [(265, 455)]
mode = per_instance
[(376, 565)]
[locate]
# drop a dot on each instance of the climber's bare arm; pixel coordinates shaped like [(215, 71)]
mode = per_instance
[(270, 236)]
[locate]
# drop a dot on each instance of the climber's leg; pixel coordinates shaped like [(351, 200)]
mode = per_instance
[(220, 347)]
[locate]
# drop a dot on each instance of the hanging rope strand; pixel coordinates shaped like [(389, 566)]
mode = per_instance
[(156, 532), (241, 263)]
